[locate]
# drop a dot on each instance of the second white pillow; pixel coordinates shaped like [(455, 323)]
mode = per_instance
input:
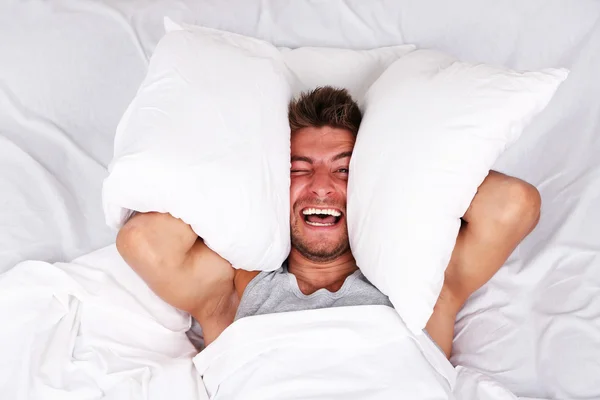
[(433, 126)]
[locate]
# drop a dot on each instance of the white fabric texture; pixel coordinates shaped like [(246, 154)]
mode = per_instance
[(91, 329), (68, 70), (361, 352), (473, 385), (207, 139), (67, 73), (432, 129), (354, 70)]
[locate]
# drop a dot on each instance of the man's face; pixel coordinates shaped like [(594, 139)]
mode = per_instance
[(319, 178)]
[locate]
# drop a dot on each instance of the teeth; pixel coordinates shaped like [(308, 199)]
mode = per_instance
[(317, 224), (328, 211)]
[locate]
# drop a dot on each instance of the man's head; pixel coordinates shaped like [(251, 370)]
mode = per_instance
[(324, 125)]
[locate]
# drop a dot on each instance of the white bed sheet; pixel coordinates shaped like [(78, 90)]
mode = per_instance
[(91, 329), (65, 80), (69, 68), (88, 330)]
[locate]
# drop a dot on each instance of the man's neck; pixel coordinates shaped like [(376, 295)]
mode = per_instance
[(312, 275)]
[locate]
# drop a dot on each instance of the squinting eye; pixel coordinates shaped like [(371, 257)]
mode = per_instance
[(343, 170)]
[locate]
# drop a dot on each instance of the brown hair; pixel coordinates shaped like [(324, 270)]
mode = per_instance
[(325, 106)]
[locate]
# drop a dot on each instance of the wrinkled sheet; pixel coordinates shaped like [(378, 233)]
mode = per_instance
[(91, 329), (69, 68), (66, 77)]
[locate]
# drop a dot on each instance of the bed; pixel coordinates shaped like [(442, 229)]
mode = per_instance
[(69, 68)]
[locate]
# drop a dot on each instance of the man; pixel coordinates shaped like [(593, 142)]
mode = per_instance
[(320, 270)]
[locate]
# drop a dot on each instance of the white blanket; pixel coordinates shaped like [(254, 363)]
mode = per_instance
[(363, 352), (91, 329)]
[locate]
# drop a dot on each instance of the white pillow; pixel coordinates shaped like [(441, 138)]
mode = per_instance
[(354, 70), (207, 139), (433, 126)]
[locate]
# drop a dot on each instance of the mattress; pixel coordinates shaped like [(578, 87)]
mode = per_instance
[(69, 68)]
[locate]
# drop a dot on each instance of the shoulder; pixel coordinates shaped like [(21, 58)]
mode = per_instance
[(241, 279)]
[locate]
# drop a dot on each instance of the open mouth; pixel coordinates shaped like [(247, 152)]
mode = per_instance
[(321, 217)]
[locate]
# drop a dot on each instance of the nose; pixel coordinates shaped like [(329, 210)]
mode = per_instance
[(322, 184)]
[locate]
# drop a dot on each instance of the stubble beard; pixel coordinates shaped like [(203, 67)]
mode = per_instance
[(321, 252)]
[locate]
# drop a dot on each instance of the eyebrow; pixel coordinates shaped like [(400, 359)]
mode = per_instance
[(342, 155), (334, 158), (302, 158)]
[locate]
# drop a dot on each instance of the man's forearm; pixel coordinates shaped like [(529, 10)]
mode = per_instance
[(503, 212), (440, 326)]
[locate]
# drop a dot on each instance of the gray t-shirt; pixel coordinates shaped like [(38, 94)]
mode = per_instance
[(278, 291)]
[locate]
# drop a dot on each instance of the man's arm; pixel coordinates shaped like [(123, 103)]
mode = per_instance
[(168, 255), (502, 213)]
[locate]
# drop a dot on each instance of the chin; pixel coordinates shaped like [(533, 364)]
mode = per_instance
[(319, 249), (319, 242), (322, 248), (322, 241)]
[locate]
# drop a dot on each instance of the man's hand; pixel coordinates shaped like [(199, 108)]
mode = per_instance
[(502, 213)]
